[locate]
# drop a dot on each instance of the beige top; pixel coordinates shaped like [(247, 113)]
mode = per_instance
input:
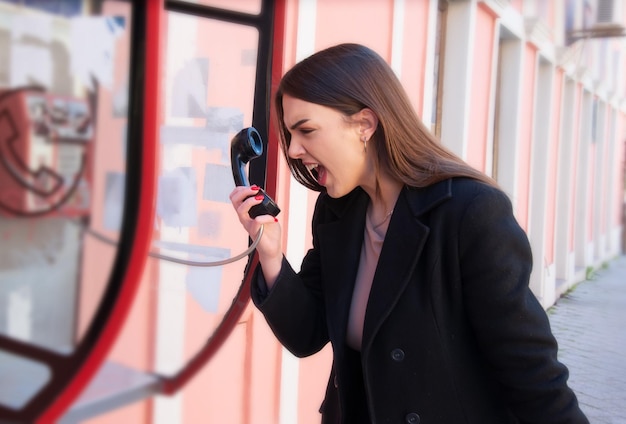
[(370, 252)]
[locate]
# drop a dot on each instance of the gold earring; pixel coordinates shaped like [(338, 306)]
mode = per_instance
[(364, 143)]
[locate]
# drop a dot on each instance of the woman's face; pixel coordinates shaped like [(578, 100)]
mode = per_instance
[(328, 143)]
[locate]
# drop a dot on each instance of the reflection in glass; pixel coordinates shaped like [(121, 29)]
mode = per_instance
[(63, 119), (209, 97)]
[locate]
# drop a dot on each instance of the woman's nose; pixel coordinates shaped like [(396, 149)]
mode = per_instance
[(295, 149)]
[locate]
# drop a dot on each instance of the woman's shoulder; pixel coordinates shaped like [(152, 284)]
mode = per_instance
[(465, 186), (454, 196), (477, 197), (458, 189)]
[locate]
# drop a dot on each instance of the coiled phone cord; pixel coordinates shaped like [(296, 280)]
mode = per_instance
[(221, 262)]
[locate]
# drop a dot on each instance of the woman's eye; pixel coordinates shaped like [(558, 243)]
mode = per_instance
[(306, 130)]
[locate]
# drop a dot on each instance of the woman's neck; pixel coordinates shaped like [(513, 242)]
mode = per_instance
[(383, 197)]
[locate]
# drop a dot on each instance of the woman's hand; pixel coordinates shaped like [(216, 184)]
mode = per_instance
[(269, 247)]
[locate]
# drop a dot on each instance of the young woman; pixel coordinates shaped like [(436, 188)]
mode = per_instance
[(418, 274)]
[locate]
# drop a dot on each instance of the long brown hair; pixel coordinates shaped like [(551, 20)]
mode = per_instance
[(350, 77)]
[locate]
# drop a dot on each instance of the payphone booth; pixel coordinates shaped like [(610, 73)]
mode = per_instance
[(115, 128)]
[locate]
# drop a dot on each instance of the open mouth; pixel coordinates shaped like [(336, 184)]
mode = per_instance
[(313, 169)]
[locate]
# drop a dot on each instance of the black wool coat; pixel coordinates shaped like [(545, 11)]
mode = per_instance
[(452, 332)]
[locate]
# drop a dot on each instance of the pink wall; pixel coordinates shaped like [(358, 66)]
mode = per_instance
[(414, 52), (339, 22)]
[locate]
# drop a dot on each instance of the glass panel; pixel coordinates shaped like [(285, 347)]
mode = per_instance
[(209, 97), (63, 119), (21, 379), (246, 6)]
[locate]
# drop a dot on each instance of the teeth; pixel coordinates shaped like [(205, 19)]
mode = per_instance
[(312, 168)]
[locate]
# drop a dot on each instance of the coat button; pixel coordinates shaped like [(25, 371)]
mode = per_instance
[(397, 355), (336, 382), (412, 418)]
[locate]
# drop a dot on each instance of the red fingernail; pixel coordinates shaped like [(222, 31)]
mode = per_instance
[(254, 187), (275, 219), (259, 197)]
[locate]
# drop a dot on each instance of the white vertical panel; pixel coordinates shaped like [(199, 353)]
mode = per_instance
[(457, 77), (509, 100), (583, 188), (429, 66), (600, 171), (538, 198), (307, 19), (614, 198), (171, 304), (296, 230), (170, 338), (564, 269)]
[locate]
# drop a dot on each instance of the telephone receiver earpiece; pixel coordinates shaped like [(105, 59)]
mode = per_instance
[(244, 147)]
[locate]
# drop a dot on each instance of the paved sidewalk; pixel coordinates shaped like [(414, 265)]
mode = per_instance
[(589, 323)]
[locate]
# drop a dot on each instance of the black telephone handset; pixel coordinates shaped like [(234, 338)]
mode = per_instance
[(247, 145)]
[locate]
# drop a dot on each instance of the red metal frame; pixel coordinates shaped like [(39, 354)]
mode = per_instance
[(278, 54), (143, 232)]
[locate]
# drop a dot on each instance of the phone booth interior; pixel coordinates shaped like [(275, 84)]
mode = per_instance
[(106, 228), (45, 151)]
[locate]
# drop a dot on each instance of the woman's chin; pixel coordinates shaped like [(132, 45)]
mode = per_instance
[(334, 193)]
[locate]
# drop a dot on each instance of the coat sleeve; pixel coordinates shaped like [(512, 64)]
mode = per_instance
[(511, 326), (294, 307)]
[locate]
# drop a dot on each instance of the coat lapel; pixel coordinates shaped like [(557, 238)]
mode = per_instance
[(341, 240), (401, 251)]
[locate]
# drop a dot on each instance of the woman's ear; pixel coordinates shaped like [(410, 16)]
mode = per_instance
[(368, 122)]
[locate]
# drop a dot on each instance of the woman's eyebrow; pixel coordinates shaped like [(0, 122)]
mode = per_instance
[(297, 124)]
